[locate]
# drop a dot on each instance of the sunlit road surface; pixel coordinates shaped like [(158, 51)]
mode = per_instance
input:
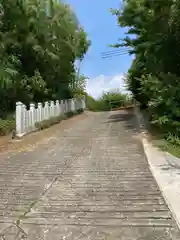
[(88, 182)]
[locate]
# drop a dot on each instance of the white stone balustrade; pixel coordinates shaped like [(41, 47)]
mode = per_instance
[(26, 119)]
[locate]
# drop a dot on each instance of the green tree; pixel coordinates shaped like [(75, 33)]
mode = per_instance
[(40, 42), (79, 86), (153, 36)]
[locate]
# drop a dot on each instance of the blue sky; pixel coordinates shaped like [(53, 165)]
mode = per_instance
[(102, 29)]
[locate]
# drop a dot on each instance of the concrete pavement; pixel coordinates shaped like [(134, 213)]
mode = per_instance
[(88, 182)]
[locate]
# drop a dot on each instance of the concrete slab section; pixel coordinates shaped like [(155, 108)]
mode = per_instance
[(90, 182)]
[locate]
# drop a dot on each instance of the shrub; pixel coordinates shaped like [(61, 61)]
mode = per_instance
[(49, 122), (46, 123), (110, 100), (54, 120), (70, 114), (81, 110), (7, 126)]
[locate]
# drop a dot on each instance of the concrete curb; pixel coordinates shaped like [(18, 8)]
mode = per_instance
[(167, 178), (165, 169)]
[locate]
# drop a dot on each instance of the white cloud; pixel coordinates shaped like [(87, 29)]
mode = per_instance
[(96, 86)]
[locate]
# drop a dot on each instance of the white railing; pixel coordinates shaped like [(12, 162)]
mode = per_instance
[(26, 119)]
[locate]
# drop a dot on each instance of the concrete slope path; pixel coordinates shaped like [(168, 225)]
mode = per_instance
[(88, 182)]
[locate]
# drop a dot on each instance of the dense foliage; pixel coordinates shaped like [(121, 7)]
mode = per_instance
[(108, 101), (40, 40), (153, 36)]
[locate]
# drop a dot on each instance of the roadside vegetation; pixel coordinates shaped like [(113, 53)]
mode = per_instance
[(153, 36), (109, 101), (54, 120), (40, 42)]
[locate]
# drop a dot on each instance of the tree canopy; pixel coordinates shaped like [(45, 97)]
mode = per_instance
[(40, 40), (153, 36)]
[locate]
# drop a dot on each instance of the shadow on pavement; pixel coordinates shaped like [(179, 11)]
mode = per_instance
[(127, 118)]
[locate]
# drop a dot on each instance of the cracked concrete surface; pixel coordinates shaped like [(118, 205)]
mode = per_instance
[(90, 181)]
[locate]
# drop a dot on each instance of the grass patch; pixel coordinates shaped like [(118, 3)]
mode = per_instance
[(166, 146), (161, 139)]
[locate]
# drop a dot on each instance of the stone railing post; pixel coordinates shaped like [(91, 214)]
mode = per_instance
[(39, 112), (62, 106), (65, 106), (72, 105), (69, 105), (57, 108), (32, 116), (46, 110), (19, 119), (24, 123), (51, 109)]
